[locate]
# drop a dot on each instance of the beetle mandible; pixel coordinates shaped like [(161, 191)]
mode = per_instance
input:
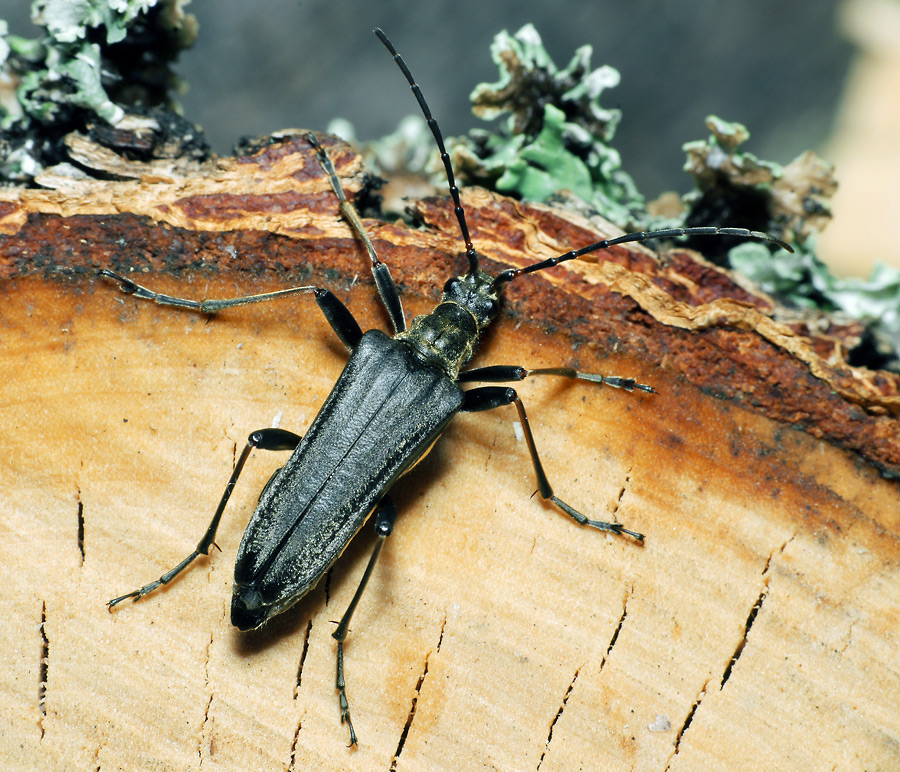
[(393, 400)]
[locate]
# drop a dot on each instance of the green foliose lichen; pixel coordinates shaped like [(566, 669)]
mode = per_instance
[(93, 60), (791, 202), (554, 135)]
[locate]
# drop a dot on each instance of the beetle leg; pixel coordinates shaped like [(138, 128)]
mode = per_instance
[(489, 397), (264, 439), (337, 314), (507, 373), (385, 515), (387, 289)]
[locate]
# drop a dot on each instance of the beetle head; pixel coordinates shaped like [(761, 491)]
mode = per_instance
[(475, 291)]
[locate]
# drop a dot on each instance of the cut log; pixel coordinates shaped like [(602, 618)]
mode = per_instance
[(755, 629)]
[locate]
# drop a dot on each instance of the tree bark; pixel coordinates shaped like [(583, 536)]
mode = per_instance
[(755, 629)]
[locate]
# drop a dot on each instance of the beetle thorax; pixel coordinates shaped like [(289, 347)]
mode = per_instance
[(448, 335)]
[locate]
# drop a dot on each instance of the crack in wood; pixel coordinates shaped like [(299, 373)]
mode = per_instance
[(780, 551), (556, 718), (208, 703), (294, 743), (615, 635), (303, 654), (80, 535), (609, 648), (44, 669), (846, 646), (751, 617), (409, 718), (441, 636), (412, 708), (622, 490), (688, 720), (739, 649)]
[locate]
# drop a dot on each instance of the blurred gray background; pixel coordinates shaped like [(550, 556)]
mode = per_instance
[(777, 66)]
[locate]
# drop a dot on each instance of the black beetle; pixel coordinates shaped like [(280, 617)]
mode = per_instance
[(389, 406)]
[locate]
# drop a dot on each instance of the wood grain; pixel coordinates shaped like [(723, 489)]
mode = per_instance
[(758, 622)]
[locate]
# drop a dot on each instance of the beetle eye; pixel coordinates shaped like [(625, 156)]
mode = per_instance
[(450, 284)]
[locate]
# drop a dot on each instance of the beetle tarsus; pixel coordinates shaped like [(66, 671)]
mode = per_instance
[(600, 525), (164, 579), (385, 515), (342, 694), (626, 384)]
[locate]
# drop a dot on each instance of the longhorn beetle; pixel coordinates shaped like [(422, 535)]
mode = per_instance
[(391, 403)]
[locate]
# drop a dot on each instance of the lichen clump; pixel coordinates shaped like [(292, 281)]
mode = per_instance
[(95, 60)]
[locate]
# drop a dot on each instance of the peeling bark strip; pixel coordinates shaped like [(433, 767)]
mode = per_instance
[(270, 214)]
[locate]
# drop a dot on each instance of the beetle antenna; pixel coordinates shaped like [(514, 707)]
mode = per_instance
[(640, 236), (471, 252)]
